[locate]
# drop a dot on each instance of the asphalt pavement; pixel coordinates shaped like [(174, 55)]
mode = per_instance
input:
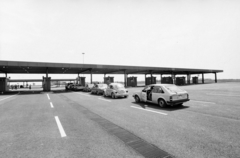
[(56, 124)]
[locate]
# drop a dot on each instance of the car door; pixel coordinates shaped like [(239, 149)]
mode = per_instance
[(144, 94), (157, 93)]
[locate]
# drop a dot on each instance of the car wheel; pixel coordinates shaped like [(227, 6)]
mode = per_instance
[(161, 103), (137, 100), (113, 96)]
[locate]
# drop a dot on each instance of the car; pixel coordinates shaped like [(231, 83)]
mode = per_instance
[(116, 90), (69, 86), (77, 87), (88, 88), (98, 88), (162, 94)]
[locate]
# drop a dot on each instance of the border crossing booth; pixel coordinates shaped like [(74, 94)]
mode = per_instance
[(46, 83), (132, 81), (195, 80), (167, 80), (81, 81), (148, 80), (180, 80), (4, 84), (108, 80)]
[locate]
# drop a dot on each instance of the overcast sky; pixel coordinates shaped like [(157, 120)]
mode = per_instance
[(165, 33)]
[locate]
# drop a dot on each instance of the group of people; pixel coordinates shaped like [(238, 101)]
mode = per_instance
[(17, 87), (14, 87)]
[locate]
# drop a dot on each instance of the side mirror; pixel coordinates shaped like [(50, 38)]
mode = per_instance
[(143, 90)]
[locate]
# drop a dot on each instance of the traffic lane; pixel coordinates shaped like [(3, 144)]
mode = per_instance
[(85, 138), (27, 127), (180, 131), (7, 98)]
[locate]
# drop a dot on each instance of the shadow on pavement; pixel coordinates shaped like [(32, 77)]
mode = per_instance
[(155, 106)]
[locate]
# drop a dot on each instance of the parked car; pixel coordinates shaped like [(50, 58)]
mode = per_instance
[(88, 88), (69, 86), (98, 88), (162, 94), (116, 90), (77, 87)]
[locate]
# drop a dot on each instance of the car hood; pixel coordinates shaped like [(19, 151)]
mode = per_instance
[(102, 88)]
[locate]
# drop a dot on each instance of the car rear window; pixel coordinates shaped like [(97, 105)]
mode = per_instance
[(174, 89), (117, 86)]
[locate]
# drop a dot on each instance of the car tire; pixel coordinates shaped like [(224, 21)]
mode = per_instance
[(162, 103), (113, 96), (137, 99)]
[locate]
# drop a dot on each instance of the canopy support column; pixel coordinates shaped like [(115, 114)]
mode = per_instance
[(125, 78), (215, 77), (145, 79), (151, 77), (91, 76), (202, 77), (160, 78)]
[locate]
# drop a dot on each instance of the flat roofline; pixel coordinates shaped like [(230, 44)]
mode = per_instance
[(73, 68)]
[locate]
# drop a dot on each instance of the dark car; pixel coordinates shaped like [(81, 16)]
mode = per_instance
[(99, 89), (69, 86)]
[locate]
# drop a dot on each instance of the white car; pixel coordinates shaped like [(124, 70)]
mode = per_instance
[(116, 90), (162, 94)]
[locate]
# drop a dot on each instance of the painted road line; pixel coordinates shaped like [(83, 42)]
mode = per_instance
[(105, 100), (226, 95), (8, 97), (202, 101), (84, 94), (62, 132), (48, 96), (51, 105), (149, 110)]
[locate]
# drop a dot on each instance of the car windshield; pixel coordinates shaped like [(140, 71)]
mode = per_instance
[(173, 88), (102, 85), (117, 86), (90, 85)]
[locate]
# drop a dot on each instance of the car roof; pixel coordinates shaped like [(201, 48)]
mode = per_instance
[(115, 83), (161, 84)]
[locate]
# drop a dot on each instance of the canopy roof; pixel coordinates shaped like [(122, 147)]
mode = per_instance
[(22, 67)]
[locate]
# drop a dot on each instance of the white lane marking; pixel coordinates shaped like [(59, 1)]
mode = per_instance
[(149, 110), (104, 99), (48, 96), (202, 101), (8, 97), (51, 105), (60, 127), (226, 95), (84, 94)]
